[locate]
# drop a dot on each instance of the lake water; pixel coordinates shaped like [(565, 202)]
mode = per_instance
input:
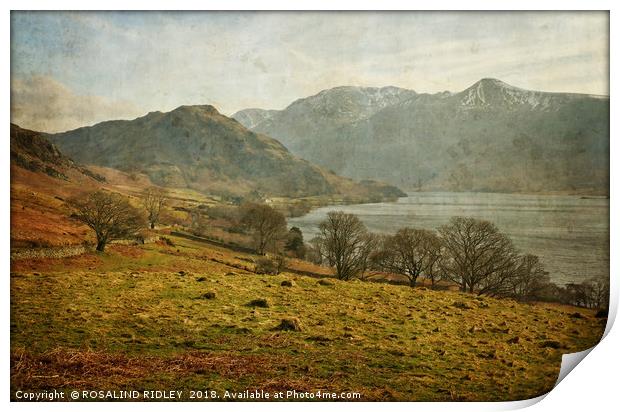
[(570, 234)]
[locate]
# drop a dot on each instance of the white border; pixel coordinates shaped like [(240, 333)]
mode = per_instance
[(592, 385)]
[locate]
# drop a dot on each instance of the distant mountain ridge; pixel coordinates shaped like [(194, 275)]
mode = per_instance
[(489, 137), (251, 117), (334, 107), (493, 93), (199, 148)]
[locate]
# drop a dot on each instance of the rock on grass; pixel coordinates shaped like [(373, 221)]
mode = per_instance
[(325, 282), (602, 313), (290, 324), (491, 354), (318, 338), (259, 303), (462, 305), (554, 344)]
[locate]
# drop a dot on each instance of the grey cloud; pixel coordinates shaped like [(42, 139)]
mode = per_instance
[(43, 104)]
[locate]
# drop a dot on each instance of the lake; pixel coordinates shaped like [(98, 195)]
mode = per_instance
[(569, 233)]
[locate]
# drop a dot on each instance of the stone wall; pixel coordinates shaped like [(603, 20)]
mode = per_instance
[(68, 251), (139, 241), (49, 252)]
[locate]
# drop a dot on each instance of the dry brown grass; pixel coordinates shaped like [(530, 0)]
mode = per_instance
[(77, 369)]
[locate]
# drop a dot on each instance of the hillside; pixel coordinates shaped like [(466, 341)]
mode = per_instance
[(181, 316), (41, 179), (198, 148), (489, 137), (34, 152), (181, 312)]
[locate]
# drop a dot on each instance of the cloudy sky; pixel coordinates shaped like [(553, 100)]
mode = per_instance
[(72, 69)]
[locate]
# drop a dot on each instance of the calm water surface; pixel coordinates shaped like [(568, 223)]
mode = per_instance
[(570, 234)]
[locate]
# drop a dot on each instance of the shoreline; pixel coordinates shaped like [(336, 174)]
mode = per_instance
[(318, 205), (527, 230)]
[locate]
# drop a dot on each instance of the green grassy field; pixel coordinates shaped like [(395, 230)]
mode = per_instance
[(138, 318)]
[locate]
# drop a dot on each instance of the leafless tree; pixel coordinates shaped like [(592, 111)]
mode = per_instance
[(153, 200), (478, 257), (530, 278), (500, 277), (596, 292), (268, 226), (369, 246), (109, 215), (410, 252), (345, 244), (433, 255), (314, 251)]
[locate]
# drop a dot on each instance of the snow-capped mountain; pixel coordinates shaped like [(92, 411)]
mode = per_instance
[(494, 93), (490, 137), (343, 104), (252, 117), (350, 104)]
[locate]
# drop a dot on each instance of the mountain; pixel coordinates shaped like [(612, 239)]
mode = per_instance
[(32, 151), (493, 93), (489, 137), (322, 114), (197, 147), (251, 117)]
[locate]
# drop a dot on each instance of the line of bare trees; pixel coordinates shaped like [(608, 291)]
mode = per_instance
[(590, 293), (468, 252)]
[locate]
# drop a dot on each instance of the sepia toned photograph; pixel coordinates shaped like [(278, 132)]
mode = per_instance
[(306, 205)]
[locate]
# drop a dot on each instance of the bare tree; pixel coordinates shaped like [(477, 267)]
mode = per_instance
[(410, 252), (368, 248), (478, 257), (499, 277), (153, 200), (575, 294), (268, 226), (433, 255), (110, 215), (600, 291), (314, 251), (345, 244), (530, 279), (594, 292)]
